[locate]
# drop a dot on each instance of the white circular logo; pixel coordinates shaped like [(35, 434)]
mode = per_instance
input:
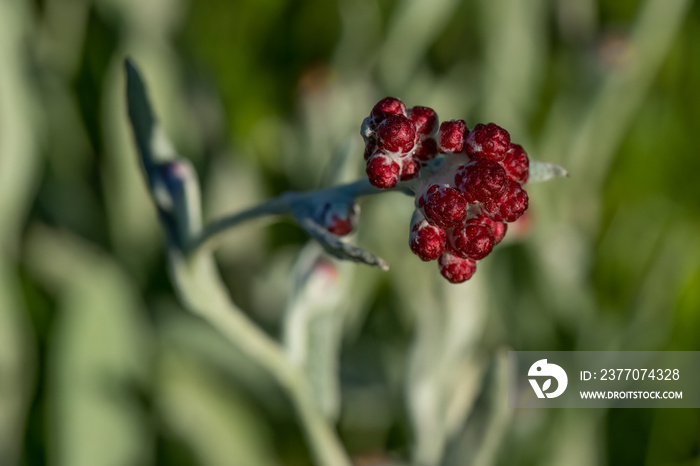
[(543, 370)]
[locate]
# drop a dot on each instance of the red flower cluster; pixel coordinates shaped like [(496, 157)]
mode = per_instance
[(398, 142), (464, 205)]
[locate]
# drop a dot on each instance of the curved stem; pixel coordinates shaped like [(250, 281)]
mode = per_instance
[(176, 195), (282, 205), (215, 229), (200, 287)]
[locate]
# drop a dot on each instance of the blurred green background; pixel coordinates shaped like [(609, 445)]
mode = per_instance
[(100, 365)]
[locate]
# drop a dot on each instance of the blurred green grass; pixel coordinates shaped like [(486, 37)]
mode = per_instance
[(100, 365)]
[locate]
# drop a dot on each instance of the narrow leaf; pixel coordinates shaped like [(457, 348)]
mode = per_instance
[(543, 171), (171, 179), (337, 248), (313, 324)]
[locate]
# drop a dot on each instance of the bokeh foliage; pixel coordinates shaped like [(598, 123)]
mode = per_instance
[(99, 364)]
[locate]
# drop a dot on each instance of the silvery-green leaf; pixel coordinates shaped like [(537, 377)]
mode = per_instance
[(543, 171), (337, 248), (172, 180), (313, 324)]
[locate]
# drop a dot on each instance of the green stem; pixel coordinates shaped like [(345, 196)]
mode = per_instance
[(283, 205), (201, 288), (217, 228)]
